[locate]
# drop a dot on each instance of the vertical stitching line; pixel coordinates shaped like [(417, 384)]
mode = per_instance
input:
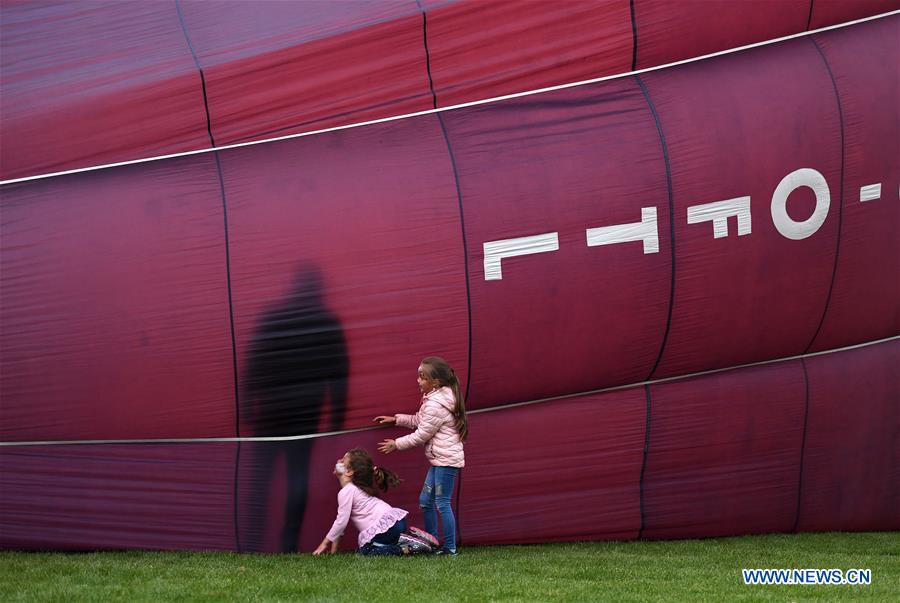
[(187, 37), (234, 367), (427, 54), (644, 461), (665, 150), (837, 250), (237, 399), (462, 223), (802, 447), (633, 37), (234, 503)]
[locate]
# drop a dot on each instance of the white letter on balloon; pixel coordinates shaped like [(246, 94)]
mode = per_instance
[(645, 231), (783, 222), (495, 251), (719, 212), (870, 192)]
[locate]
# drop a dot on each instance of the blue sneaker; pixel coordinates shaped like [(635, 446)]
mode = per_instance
[(447, 553)]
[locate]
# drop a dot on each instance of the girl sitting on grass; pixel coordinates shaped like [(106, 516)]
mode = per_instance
[(381, 526)]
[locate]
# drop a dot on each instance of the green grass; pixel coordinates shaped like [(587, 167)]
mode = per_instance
[(707, 570)]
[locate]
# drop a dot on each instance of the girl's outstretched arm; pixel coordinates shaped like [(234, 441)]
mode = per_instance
[(428, 423), (345, 504), (408, 421)]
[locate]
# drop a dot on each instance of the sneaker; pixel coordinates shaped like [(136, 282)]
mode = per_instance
[(447, 553), (415, 546), (423, 535)]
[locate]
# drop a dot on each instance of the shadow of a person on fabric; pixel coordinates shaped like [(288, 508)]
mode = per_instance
[(297, 366)]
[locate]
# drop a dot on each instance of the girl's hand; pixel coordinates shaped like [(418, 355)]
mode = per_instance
[(387, 446), (324, 546), (334, 546), (385, 420)]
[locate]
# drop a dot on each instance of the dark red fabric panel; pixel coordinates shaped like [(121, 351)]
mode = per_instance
[(480, 50), (285, 67), (115, 315), (714, 25), (724, 453), (231, 31), (128, 87), (135, 496), (584, 484), (563, 163), (92, 83), (736, 126), (832, 12), (851, 461), (864, 301), (374, 211)]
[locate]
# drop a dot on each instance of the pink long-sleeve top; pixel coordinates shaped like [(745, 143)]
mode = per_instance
[(435, 429), (370, 514)]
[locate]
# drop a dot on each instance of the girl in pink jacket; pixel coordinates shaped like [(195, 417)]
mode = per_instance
[(441, 427), (382, 528)]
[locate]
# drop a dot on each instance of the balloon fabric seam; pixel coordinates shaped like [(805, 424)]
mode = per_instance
[(471, 412)]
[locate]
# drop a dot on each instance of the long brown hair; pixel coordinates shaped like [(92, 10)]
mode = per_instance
[(437, 369), (366, 476)]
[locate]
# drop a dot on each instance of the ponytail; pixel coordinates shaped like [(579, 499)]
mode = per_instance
[(367, 477), (459, 411), (385, 478)]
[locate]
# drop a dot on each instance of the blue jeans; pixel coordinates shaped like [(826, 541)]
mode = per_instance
[(435, 498), (385, 543)]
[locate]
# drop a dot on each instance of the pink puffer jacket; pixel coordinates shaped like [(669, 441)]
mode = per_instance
[(435, 428)]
